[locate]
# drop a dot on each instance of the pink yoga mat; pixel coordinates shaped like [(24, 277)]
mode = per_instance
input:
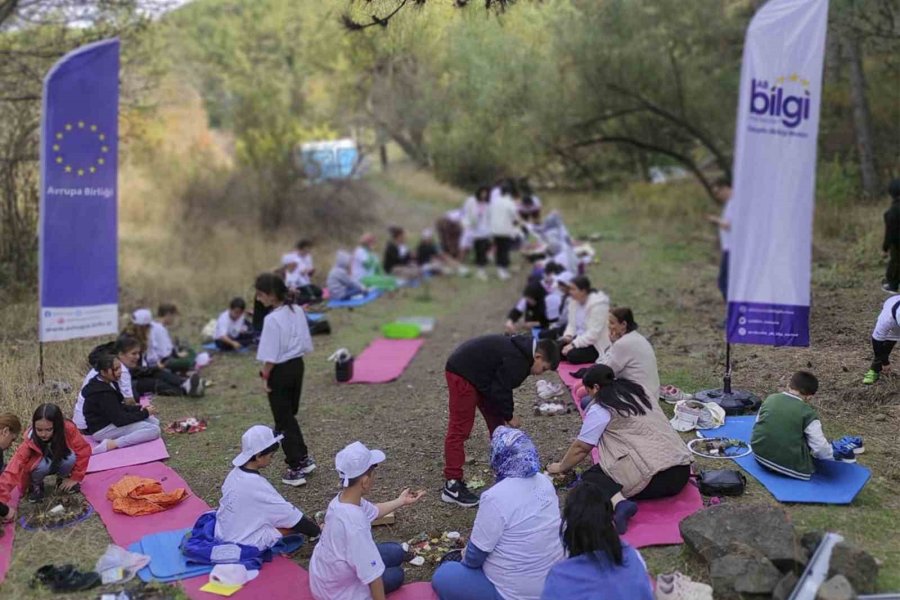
[(384, 360), (283, 579), (6, 542), (125, 530), (565, 370), (126, 457), (656, 521)]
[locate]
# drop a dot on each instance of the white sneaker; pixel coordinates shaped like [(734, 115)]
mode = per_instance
[(481, 275), (503, 274), (550, 390), (463, 271)]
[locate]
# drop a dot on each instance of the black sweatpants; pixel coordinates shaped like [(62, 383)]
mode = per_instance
[(892, 274), (882, 351), (502, 246), (481, 247), (286, 383), (580, 356), (159, 382), (662, 485)]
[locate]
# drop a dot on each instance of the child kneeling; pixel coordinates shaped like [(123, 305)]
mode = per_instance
[(52, 446), (788, 433), (347, 564), (253, 521)]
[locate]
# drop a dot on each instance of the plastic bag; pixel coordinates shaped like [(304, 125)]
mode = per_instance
[(118, 565)]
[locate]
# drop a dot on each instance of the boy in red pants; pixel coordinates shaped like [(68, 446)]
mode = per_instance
[(482, 373)]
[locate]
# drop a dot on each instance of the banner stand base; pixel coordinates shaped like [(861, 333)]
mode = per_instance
[(735, 402)]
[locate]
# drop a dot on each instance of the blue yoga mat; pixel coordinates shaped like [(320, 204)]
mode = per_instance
[(832, 483), (355, 302), (211, 347), (312, 316), (167, 563)]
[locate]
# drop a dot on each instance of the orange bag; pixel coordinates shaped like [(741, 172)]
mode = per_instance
[(136, 496)]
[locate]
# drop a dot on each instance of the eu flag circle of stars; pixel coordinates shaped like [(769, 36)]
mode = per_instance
[(81, 128)]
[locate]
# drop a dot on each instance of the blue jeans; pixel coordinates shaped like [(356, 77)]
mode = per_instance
[(44, 468), (455, 581), (392, 555)]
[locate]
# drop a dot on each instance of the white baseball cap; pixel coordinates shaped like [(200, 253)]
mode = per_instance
[(354, 460), (142, 316), (289, 259), (232, 574), (255, 440), (565, 278)]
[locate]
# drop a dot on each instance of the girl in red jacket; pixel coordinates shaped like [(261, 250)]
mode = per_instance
[(52, 446)]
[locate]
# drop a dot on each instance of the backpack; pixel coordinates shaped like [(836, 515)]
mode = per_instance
[(721, 482)]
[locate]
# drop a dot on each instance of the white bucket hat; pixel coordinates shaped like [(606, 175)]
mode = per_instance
[(142, 316), (255, 440), (354, 460), (232, 574)]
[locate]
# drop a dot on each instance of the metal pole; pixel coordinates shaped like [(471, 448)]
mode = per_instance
[(41, 362), (726, 384)]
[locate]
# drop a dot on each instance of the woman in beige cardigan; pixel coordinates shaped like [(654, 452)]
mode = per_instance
[(586, 337), (641, 456)]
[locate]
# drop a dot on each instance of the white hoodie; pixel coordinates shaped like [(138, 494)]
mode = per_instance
[(595, 323)]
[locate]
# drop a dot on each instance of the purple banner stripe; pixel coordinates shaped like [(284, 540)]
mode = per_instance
[(768, 324)]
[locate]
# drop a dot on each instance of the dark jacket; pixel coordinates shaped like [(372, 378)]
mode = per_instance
[(393, 258), (891, 226), (104, 405), (495, 365), (426, 252), (536, 312)]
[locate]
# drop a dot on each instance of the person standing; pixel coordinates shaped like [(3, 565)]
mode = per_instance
[(504, 215), (722, 193), (476, 217), (891, 245), (285, 339), (482, 373)]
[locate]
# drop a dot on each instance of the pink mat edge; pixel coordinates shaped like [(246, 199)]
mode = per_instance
[(6, 542), (154, 454)]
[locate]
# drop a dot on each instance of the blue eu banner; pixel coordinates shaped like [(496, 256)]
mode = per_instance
[(78, 223)]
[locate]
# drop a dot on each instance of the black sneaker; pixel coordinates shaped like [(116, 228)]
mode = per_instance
[(888, 288), (306, 466), (197, 386), (36, 493), (456, 492), (293, 477)]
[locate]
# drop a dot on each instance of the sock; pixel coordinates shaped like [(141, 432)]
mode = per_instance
[(623, 513), (100, 448)]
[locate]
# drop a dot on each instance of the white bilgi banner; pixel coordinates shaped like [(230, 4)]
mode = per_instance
[(775, 174)]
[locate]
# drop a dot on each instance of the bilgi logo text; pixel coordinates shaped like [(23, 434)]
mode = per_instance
[(776, 101)]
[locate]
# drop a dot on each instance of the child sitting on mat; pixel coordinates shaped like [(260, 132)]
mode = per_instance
[(52, 446), (109, 419), (253, 520), (346, 563), (788, 434), (341, 284), (232, 330), (162, 351)]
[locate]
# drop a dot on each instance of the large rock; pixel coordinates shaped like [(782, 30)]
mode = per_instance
[(765, 528), (858, 566), (784, 588), (743, 571), (836, 588)]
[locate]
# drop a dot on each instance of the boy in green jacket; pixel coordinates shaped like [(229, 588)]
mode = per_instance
[(788, 434)]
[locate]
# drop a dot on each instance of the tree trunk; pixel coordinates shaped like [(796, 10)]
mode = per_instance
[(862, 119)]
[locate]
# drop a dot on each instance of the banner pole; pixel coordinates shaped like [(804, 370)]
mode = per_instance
[(41, 362), (726, 383)]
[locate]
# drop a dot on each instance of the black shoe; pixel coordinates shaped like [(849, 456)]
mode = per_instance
[(36, 493), (888, 288), (452, 556), (66, 578), (456, 492), (306, 466)]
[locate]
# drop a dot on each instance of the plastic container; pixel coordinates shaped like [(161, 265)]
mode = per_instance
[(400, 331)]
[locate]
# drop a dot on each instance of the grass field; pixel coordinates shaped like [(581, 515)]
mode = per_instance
[(655, 254)]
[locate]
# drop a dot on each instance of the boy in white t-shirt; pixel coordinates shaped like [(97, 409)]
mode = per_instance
[(161, 350), (251, 512), (347, 564), (232, 330)]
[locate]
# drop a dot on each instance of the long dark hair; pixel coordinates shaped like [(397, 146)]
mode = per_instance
[(583, 283), (538, 312), (57, 444), (621, 395), (272, 284), (587, 524)]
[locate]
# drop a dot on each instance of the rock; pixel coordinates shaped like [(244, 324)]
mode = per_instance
[(785, 586), (858, 566), (811, 540), (879, 417), (836, 588), (743, 571), (764, 528)]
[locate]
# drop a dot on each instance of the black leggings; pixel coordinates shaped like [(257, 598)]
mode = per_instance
[(882, 352), (159, 382), (481, 247), (286, 383), (502, 246), (580, 356), (662, 485)]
